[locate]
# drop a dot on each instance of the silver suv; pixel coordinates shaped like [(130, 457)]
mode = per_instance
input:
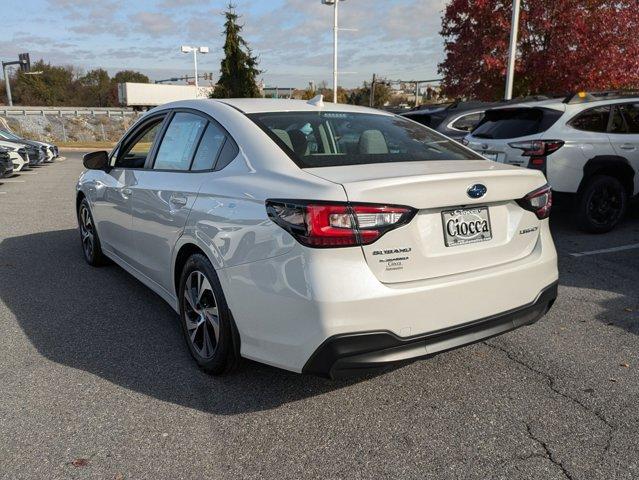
[(587, 145)]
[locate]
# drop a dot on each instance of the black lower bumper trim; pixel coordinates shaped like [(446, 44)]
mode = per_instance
[(351, 354)]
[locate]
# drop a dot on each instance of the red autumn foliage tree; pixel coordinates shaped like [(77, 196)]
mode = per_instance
[(564, 46)]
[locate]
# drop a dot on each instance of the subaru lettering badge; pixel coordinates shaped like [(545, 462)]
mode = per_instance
[(476, 191)]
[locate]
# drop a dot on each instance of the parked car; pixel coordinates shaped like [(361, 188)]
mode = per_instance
[(318, 238), (18, 155), (6, 164), (587, 145), (453, 120), (457, 119), (49, 151), (36, 151)]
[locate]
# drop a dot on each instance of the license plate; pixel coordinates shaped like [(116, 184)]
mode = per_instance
[(491, 156), (466, 225)]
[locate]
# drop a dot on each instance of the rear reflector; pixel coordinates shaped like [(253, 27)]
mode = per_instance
[(538, 201), (336, 224)]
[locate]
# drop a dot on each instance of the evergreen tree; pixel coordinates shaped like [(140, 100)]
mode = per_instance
[(239, 67)]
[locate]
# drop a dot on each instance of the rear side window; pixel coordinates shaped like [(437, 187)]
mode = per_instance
[(423, 119), (209, 148), (592, 120), (515, 122), (466, 123), (326, 139), (630, 112), (179, 142)]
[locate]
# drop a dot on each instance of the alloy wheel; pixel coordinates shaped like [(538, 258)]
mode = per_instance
[(201, 315), (87, 232)]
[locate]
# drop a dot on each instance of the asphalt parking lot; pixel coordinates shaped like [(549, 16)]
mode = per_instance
[(96, 382)]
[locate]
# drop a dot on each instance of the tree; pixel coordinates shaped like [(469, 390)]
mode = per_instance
[(564, 46), (54, 86), (239, 67), (362, 95), (124, 76), (97, 86)]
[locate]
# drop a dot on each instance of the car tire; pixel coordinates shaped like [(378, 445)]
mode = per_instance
[(207, 323), (89, 236), (601, 204)]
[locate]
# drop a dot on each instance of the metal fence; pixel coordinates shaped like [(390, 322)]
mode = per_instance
[(65, 111)]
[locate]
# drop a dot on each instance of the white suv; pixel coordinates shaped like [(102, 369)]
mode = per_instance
[(586, 144)]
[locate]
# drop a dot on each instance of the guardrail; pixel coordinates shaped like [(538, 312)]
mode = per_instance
[(66, 111)]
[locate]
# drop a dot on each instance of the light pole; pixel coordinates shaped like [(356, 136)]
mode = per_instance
[(335, 4), (195, 50), (512, 50)]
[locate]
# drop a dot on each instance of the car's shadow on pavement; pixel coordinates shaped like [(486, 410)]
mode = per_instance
[(103, 321)]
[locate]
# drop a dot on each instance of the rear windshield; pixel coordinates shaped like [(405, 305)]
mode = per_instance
[(328, 139), (515, 122)]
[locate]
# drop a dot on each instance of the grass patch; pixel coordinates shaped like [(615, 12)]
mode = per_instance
[(92, 144)]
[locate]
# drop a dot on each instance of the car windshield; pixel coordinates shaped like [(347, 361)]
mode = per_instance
[(327, 139), (9, 135)]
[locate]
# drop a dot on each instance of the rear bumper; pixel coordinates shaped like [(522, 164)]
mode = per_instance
[(349, 354)]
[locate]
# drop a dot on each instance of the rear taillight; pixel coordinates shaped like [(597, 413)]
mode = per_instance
[(537, 150), (336, 224), (538, 201)]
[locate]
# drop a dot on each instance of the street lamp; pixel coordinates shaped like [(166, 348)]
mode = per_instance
[(334, 3), (512, 51), (195, 50)]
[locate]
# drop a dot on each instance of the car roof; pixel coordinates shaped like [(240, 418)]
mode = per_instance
[(263, 105), (553, 103)]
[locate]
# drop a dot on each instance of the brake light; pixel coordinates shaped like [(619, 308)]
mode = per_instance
[(336, 224), (537, 148), (538, 201)]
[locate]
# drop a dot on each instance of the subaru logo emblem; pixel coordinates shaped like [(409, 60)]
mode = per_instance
[(476, 191)]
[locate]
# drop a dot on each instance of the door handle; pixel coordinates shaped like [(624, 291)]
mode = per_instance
[(126, 192), (627, 146), (178, 200)]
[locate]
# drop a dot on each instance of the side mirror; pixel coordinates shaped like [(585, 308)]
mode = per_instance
[(96, 160)]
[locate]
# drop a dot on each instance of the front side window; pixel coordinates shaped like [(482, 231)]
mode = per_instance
[(592, 120), (323, 139), (179, 142), (135, 151)]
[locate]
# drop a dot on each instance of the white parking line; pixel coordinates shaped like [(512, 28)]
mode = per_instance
[(27, 173), (12, 181), (607, 250), (3, 193)]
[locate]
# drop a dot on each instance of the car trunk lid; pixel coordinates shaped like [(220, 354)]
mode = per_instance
[(439, 190)]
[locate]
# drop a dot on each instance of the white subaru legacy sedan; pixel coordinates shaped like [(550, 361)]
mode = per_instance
[(318, 238)]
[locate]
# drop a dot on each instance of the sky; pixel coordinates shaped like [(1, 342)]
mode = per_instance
[(397, 39)]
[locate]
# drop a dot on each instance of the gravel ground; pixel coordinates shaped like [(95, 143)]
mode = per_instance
[(96, 382)]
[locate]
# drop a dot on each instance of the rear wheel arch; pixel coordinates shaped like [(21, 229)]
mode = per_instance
[(185, 251), (612, 166)]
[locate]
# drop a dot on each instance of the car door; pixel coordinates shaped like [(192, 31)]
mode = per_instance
[(166, 190), (624, 135), (112, 205)]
